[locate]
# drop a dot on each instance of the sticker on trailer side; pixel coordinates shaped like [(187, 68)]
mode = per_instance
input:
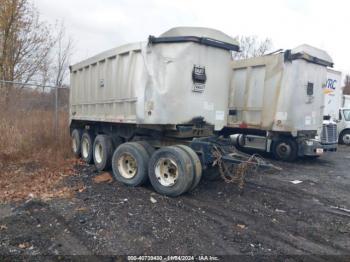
[(308, 120), (220, 115)]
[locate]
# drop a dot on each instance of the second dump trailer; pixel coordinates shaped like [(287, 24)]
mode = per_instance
[(276, 103)]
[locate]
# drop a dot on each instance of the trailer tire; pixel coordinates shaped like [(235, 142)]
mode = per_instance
[(171, 171), (103, 152), (86, 147), (150, 149), (285, 149), (344, 137), (130, 164), (196, 162), (76, 142)]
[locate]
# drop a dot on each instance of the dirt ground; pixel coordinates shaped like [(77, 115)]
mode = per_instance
[(272, 217)]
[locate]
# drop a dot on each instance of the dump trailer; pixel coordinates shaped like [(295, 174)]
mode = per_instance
[(152, 110), (276, 103)]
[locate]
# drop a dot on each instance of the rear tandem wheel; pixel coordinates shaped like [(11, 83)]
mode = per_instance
[(171, 171)]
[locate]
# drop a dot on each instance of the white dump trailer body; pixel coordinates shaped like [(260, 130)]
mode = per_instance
[(274, 93), (332, 91), (276, 101), (181, 76)]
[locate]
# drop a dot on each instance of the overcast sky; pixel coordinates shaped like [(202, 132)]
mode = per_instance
[(97, 25)]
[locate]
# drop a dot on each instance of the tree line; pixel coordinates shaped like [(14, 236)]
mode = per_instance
[(32, 50)]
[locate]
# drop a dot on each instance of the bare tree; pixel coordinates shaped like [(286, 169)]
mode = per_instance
[(251, 46), (55, 70), (346, 90), (26, 42), (62, 52)]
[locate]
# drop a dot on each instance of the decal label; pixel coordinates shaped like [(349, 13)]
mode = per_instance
[(220, 115)]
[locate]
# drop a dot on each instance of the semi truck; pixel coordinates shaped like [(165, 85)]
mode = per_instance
[(275, 103), (152, 110), (335, 111)]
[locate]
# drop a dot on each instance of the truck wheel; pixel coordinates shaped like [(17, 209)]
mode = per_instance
[(86, 147), (171, 171), (76, 142), (344, 137), (150, 149), (102, 152), (130, 164), (285, 149), (196, 164)]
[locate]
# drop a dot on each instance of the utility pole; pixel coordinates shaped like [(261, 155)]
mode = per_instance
[(56, 112)]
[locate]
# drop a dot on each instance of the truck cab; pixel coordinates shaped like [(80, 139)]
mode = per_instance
[(344, 126)]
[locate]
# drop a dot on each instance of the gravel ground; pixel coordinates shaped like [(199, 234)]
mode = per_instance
[(272, 217)]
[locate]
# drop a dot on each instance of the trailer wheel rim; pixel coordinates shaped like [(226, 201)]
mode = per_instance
[(85, 148), (283, 150), (127, 166), (74, 144), (346, 139), (98, 153), (167, 172)]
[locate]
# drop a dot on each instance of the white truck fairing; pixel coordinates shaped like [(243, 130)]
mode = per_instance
[(334, 113), (332, 91)]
